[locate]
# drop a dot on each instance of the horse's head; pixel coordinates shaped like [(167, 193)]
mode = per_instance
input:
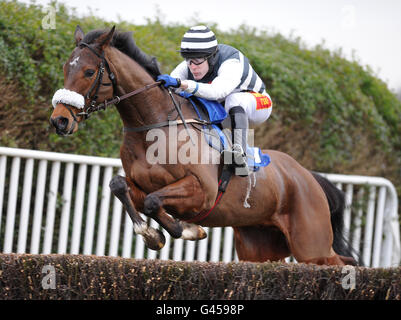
[(84, 73)]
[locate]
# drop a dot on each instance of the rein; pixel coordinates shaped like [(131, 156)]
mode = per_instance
[(94, 106), (117, 99)]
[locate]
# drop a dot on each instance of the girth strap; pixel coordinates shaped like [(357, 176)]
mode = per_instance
[(225, 177)]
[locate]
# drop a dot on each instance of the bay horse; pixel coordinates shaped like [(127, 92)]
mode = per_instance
[(290, 211)]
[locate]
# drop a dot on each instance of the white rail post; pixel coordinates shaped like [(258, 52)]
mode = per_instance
[(189, 250), (216, 244), (104, 213), (51, 207), (65, 213), (228, 244), (178, 249), (347, 211), (38, 211), (78, 209), (378, 228), (3, 166), (128, 236), (25, 207), (356, 236), (391, 252), (12, 205), (91, 212), (368, 242)]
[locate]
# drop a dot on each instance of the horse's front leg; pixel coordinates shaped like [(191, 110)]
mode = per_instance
[(154, 239), (182, 199), (171, 225)]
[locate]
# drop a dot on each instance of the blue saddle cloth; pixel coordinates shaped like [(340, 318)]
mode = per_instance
[(217, 139)]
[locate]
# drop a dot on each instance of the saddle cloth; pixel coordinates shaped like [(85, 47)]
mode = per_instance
[(219, 138)]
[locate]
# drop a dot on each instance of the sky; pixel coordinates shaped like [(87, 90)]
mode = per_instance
[(366, 30)]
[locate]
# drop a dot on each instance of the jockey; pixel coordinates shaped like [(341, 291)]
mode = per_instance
[(220, 72)]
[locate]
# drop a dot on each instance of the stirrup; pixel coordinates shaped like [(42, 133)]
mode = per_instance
[(237, 159), (239, 155)]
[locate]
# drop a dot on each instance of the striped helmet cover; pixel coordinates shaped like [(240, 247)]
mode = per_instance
[(197, 42)]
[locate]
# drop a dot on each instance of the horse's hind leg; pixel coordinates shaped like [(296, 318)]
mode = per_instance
[(182, 197), (310, 237), (307, 228), (153, 238)]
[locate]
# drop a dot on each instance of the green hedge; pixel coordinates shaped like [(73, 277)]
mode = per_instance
[(329, 113), (90, 277)]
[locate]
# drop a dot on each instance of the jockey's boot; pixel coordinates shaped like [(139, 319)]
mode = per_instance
[(239, 121)]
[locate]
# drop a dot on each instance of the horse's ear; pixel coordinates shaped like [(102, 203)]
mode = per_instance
[(78, 35), (104, 40)]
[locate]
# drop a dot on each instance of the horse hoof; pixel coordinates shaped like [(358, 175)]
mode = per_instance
[(151, 205), (192, 232), (154, 239)]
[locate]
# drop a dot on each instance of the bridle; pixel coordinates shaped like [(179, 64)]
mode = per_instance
[(94, 106), (93, 91), (92, 94)]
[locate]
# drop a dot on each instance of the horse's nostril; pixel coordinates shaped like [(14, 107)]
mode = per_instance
[(63, 122), (60, 123)]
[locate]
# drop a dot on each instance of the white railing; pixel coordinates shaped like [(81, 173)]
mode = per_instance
[(375, 217), (61, 203)]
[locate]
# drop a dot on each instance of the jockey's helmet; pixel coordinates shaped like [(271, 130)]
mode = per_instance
[(198, 42)]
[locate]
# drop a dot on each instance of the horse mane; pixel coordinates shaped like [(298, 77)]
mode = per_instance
[(124, 42)]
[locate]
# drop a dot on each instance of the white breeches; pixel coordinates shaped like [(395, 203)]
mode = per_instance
[(258, 107)]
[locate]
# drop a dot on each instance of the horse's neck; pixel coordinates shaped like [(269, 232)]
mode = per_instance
[(141, 109)]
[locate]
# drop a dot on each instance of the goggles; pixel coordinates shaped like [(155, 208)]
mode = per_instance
[(197, 61)]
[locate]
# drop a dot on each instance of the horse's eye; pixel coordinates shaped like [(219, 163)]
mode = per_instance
[(89, 73)]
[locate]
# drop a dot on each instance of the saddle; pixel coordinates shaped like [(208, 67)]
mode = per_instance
[(217, 131)]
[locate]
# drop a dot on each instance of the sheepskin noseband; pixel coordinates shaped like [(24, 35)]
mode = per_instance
[(69, 97)]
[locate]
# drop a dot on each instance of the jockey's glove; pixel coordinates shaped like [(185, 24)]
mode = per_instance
[(169, 81)]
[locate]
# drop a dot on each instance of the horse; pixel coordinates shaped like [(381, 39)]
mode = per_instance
[(290, 211)]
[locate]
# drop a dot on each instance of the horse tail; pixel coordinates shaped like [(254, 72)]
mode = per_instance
[(336, 200)]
